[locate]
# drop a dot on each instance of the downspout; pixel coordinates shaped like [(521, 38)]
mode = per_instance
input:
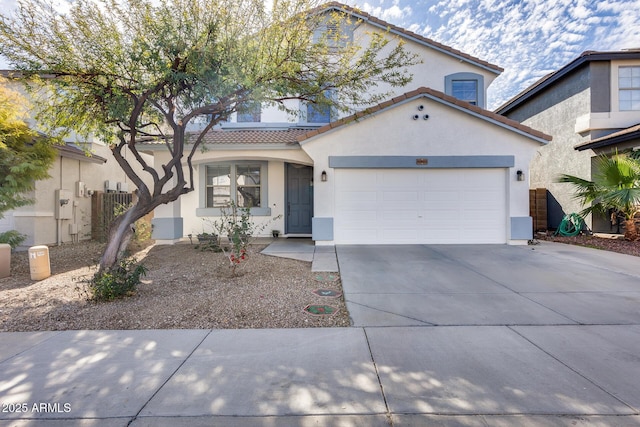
[(59, 226)]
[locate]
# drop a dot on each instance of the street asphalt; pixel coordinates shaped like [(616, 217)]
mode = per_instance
[(456, 335)]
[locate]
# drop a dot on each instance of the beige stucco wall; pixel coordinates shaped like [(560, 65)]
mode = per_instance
[(38, 221), (431, 72)]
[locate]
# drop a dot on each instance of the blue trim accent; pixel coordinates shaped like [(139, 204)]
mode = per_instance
[(417, 162), (478, 78), (521, 228), (167, 228), (322, 228)]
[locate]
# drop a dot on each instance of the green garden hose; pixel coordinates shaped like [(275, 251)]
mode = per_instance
[(571, 225)]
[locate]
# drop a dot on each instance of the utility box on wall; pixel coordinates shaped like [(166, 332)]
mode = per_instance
[(64, 204)]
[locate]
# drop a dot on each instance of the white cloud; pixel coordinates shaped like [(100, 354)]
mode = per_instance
[(392, 13), (528, 38)]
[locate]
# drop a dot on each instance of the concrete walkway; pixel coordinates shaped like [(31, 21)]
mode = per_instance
[(545, 337), (322, 258)]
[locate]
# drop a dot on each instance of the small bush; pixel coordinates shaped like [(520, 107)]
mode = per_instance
[(13, 238), (116, 282)]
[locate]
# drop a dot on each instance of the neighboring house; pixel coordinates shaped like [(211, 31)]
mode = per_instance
[(590, 106), (430, 165), (62, 212)]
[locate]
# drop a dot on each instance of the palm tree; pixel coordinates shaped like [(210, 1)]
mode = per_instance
[(615, 185)]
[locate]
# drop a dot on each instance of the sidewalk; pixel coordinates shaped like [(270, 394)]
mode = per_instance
[(327, 377)]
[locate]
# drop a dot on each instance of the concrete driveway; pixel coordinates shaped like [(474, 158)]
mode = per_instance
[(487, 330), (547, 284)]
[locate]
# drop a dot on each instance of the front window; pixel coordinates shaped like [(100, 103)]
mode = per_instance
[(465, 90), (218, 186), (248, 186), (237, 182), (629, 88)]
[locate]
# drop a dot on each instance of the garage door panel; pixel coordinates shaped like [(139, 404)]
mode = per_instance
[(392, 179), (357, 196), (399, 196), (420, 206)]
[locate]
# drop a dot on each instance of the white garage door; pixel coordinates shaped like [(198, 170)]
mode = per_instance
[(402, 206)]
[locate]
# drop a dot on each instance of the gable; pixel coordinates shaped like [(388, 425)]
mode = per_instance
[(407, 35), (426, 117)]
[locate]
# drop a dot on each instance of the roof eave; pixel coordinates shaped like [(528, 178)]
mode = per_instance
[(546, 81), (608, 142), (79, 155)]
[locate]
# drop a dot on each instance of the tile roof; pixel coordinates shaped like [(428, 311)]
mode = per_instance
[(424, 91), (614, 138), (434, 44), (251, 136)]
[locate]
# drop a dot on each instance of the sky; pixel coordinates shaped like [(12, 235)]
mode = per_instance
[(528, 38)]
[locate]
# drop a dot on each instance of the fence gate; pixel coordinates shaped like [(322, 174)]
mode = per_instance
[(538, 208), (104, 207)]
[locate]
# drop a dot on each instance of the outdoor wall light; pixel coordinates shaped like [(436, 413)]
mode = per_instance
[(323, 176), (520, 175)]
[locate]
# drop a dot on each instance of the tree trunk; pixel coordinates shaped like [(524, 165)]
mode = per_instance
[(630, 230), (120, 233)]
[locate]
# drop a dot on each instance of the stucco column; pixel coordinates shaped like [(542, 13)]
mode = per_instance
[(168, 223)]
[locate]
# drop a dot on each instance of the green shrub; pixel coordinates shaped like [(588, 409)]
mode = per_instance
[(117, 282), (13, 238)]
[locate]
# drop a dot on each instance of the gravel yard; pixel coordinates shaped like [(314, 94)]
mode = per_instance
[(184, 289), (607, 244)]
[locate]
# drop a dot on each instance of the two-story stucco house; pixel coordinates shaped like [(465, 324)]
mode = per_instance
[(590, 106), (430, 165)]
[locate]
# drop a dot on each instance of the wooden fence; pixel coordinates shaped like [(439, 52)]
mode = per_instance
[(538, 208), (104, 209)]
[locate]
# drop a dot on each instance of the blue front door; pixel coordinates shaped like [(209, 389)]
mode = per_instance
[(299, 199)]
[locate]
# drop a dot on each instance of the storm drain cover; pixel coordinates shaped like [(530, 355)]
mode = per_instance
[(326, 277), (327, 293), (320, 310)]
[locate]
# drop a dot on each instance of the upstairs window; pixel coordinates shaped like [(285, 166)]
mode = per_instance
[(465, 90), (249, 113), (629, 88), (336, 31), (467, 87), (319, 113)]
